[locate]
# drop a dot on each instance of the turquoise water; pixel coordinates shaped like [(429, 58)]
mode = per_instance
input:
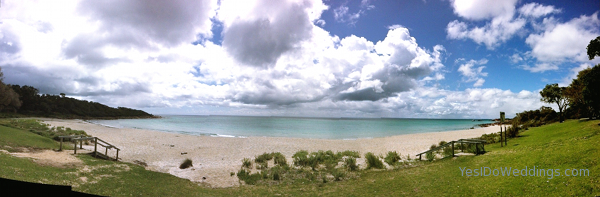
[(321, 128)]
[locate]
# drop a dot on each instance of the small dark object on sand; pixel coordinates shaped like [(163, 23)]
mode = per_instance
[(141, 163), (183, 153), (186, 164)]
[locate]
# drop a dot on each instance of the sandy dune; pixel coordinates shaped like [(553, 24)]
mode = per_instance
[(215, 157)]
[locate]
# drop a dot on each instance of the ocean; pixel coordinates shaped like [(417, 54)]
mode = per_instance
[(318, 128)]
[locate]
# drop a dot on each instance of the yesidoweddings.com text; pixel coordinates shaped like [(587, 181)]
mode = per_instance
[(509, 171)]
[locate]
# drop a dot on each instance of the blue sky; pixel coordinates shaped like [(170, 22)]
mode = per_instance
[(368, 58)]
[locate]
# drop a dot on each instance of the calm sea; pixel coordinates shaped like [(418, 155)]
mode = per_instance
[(321, 128)]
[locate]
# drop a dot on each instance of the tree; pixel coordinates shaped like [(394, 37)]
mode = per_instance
[(574, 94), (554, 94), (591, 90), (593, 49), (8, 97)]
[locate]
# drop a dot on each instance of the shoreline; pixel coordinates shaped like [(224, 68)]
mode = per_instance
[(181, 132), (214, 158)]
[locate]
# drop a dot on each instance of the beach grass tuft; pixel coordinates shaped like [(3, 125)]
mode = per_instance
[(392, 158), (279, 159), (350, 164), (247, 163), (373, 161)]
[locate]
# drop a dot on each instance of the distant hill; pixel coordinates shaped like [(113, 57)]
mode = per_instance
[(35, 104)]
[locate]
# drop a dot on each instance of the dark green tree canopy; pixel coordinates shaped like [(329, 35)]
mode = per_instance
[(554, 94), (593, 49)]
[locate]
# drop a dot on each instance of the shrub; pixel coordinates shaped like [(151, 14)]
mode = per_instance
[(247, 163), (263, 158), (186, 164), (489, 138), (277, 172), (447, 151), (373, 161), (279, 159), (248, 178), (338, 175), (442, 143), (513, 130), (350, 163), (392, 158), (350, 153), (432, 147), (300, 158), (430, 156)]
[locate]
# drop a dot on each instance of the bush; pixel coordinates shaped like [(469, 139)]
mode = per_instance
[(279, 159), (392, 158), (433, 146), (489, 138), (448, 151), (246, 163), (301, 158), (513, 130), (373, 161), (430, 156), (350, 163), (338, 175), (442, 143), (263, 158), (349, 153), (248, 178), (186, 164)]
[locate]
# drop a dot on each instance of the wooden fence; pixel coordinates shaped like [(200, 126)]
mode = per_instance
[(461, 142), (97, 141)]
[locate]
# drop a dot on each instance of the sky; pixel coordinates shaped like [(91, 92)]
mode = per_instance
[(308, 58)]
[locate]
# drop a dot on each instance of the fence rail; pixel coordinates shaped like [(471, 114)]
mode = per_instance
[(97, 141), (461, 142)]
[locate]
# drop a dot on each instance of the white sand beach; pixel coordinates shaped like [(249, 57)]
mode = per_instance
[(214, 158)]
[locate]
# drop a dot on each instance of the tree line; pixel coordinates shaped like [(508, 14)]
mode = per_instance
[(27, 100), (582, 97)]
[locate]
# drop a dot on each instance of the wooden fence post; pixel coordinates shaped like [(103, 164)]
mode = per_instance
[(452, 148), (501, 136), (505, 136), (75, 148), (95, 147), (117, 158), (61, 141)]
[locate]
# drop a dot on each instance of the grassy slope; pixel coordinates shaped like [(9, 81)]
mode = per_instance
[(20, 138), (568, 145), (572, 144)]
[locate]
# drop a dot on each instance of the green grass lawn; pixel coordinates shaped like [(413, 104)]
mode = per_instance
[(569, 145), (20, 138)]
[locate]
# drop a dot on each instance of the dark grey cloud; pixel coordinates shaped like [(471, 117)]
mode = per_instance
[(391, 86), (262, 41), (87, 51), (168, 23), (269, 94), (136, 24), (67, 80)]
